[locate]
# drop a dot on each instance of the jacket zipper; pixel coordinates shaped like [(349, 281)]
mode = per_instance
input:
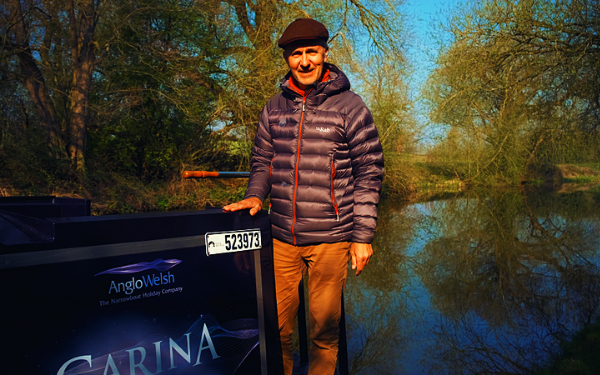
[(270, 171), (297, 163), (333, 201)]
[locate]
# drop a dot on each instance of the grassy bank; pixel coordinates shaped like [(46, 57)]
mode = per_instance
[(408, 177), (415, 177), (122, 195)]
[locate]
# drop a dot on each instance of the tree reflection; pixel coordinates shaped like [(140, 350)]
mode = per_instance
[(512, 276), (376, 302)]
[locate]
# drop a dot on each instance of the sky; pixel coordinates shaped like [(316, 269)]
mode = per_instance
[(422, 51)]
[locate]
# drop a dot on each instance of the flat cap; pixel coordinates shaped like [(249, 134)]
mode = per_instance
[(303, 29)]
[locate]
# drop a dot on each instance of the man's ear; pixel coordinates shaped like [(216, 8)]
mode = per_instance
[(326, 55), (285, 57)]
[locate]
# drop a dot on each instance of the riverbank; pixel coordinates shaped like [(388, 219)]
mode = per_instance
[(124, 195), (408, 177), (117, 194)]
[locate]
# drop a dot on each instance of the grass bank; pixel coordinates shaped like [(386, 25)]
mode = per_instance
[(416, 177), (576, 173), (116, 194), (408, 176)]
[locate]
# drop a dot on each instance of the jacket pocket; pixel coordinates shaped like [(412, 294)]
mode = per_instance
[(270, 172), (333, 201)]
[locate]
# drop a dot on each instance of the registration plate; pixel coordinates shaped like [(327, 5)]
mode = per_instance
[(229, 242)]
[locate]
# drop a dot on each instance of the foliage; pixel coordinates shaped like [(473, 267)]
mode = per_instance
[(145, 89), (384, 85), (518, 87)]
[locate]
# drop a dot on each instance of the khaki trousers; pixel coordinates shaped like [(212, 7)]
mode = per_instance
[(327, 267)]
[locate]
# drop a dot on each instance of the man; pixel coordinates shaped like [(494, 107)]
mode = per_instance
[(318, 155)]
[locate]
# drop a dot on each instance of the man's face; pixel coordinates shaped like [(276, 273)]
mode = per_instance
[(306, 60)]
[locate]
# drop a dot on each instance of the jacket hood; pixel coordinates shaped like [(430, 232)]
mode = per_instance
[(337, 83)]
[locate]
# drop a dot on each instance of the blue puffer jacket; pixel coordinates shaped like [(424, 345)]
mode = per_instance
[(320, 158)]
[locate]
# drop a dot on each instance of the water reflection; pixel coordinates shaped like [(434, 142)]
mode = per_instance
[(481, 283), (377, 301)]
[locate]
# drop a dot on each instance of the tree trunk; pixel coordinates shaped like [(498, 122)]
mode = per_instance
[(32, 79), (84, 59)]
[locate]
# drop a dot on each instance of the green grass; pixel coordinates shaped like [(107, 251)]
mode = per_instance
[(581, 179), (535, 181)]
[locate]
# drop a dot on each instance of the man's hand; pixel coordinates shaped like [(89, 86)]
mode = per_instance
[(361, 253), (253, 203)]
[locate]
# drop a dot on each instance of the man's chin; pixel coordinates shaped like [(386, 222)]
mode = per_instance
[(305, 81)]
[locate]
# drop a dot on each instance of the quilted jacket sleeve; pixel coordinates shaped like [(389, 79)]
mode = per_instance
[(259, 184), (367, 168)]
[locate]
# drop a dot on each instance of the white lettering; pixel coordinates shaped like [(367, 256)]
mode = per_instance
[(210, 346), (158, 357), (185, 355), (63, 368), (206, 342), (133, 365), (113, 367)]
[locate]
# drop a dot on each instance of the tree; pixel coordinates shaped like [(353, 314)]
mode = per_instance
[(50, 48), (146, 88), (221, 65), (519, 77)]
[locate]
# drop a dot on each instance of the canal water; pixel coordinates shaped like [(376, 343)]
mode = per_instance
[(475, 283)]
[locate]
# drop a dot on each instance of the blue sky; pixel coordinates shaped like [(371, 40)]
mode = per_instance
[(422, 50)]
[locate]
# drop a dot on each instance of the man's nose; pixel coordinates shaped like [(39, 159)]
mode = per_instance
[(304, 60)]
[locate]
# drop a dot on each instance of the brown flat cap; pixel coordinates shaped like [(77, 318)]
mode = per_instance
[(303, 29)]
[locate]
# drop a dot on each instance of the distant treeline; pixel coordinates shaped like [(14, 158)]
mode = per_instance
[(518, 87)]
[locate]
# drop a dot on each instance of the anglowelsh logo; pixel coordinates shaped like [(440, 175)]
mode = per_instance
[(159, 265)]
